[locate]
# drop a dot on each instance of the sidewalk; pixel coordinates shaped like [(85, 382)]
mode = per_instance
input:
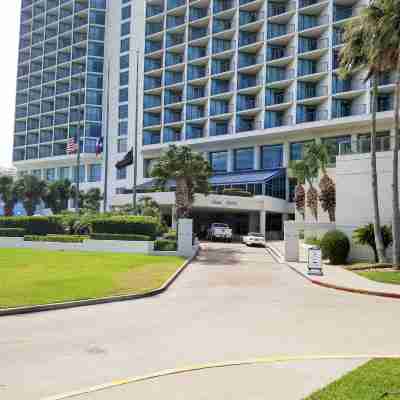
[(336, 277)]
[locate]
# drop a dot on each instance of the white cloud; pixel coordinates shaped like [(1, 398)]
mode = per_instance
[(9, 35)]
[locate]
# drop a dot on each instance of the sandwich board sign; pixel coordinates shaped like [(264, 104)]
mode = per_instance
[(314, 261)]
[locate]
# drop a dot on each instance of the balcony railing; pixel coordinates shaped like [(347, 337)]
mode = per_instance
[(194, 112), (171, 135), (151, 119), (385, 103), (175, 3), (151, 137), (309, 67), (245, 103), (312, 21), (171, 78), (247, 60), (150, 101), (276, 74), (246, 38), (220, 25), (340, 85), (248, 17), (338, 36), (247, 124), (274, 97), (222, 5), (153, 27), (247, 81), (197, 33), (310, 115), (195, 92), (173, 21), (151, 46), (173, 59), (151, 64), (171, 97), (276, 30), (218, 107), (386, 79), (195, 52), (221, 45), (194, 131), (219, 86), (196, 13), (277, 52), (196, 72), (341, 109), (308, 91), (312, 44), (274, 119), (307, 3), (171, 116), (280, 8), (151, 11), (221, 66), (174, 40), (219, 128)]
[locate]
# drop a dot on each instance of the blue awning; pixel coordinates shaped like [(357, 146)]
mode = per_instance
[(245, 177)]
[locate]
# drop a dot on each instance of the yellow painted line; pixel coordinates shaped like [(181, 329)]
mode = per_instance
[(199, 367)]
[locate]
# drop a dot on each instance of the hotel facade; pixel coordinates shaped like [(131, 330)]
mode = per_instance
[(248, 83)]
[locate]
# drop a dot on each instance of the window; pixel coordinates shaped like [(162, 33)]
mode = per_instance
[(123, 111), (94, 173), (123, 128), (124, 61), (122, 145), (219, 161), (126, 12), (125, 28), (81, 174), (121, 173), (337, 145), (37, 173), (63, 173), (125, 45), (123, 95), (244, 159), (272, 156), (50, 174), (124, 78), (297, 149)]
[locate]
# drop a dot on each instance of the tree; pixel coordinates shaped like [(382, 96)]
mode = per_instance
[(58, 194), (387, 12), (365, 236), (189, 170), (8, 195), (361, 51), (31, 191), (149, 207), (298, 171), (92, 199), (318, 154)]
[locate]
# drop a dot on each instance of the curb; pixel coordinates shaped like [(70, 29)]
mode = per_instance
[(207, 366), (338, 287), (101, 300)]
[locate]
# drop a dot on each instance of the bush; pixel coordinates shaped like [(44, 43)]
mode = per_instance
[(170, 235), (236, 192), (165, 245), (34, 225), (12, 232), (313, 241), (115, 236), (129, 225), (55, 238), (336, 247)]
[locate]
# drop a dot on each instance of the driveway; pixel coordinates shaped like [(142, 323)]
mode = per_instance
[(233, 303)]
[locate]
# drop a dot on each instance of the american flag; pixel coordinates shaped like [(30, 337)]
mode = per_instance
[(72, 147)]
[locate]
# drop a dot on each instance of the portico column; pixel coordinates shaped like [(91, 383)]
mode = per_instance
[(262, 222), (257, 157), (173, 218)]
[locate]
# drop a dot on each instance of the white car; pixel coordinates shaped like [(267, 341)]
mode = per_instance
[(254, 239), (220, 231)]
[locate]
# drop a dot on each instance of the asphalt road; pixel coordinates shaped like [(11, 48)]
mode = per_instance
[(233, 303)]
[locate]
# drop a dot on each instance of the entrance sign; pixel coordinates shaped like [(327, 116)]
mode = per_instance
[(314, 261)]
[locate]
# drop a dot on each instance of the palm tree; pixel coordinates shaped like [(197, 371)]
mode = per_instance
[(58, 194), (189, 170), (298, 171), (149, 207), (31, 191), (8, 195), (318, 153), (361, 52), (388, 12)]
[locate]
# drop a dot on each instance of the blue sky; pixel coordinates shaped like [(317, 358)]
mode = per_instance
[(9, 31)]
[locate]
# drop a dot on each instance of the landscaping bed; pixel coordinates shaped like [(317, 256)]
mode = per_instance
[(29, 277), (384, 273), (369, 382)]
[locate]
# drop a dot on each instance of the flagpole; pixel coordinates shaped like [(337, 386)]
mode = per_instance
[(135, 166), (105, 150), (78, 157)]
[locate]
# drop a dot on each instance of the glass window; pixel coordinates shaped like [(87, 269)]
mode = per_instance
[(124, 78), (297, 149), (37, 173), (337, 144), (122, 145), (123, 95), (63, 173), (244, 159), (50, 174), (123, 111), (121, 173), (81, 174), (219, 161), (271, 156), (123, 128), (125, 45), (126, 12), (125, 28), (94, 173), (124, 61)]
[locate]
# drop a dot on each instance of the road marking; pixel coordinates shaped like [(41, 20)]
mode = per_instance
[(199, 367)]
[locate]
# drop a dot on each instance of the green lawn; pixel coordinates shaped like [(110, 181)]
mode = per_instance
[(382, 276), (368, 382), (39, 277)]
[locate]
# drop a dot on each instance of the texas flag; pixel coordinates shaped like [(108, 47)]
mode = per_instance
[(99, 146)]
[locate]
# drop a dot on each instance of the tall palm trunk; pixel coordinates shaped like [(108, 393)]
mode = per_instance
[(182, 198), (312, 200), (374, 177), (395, 181)]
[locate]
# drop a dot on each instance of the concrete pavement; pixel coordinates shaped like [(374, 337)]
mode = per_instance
[(232, 303)]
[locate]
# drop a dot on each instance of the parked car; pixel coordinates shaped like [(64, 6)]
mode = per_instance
[(219, 231), (254, 239)]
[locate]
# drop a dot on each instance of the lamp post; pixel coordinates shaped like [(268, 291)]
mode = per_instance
[(135, 166), (78, 144)]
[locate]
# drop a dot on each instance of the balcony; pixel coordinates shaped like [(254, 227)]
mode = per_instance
[(308, 90), (196, 72), (221, 45), (308, 3), (386, 79), (171, 97), (279, 8), (172, 78), (173, 21), (219, 86), (150, 137), (198, 33), (150, 119), (195, 52), (175, 3), (221, 25), (153, 27), (151, 83), (385, 103), (277, 97), (174, 39), (194, 131), (248, 17), (312, 44), (194, 112), (363, 144), (150, 101), (245, 124), (338, 36), (196, 13), (173, 59), (346, 108), (171, 135), (312, 21), (310, 114), (277, 30), (247, 81), (347, 85), (218, 128), (151, 11), (195, 92), (248, 38), (220, 66), (276, 74), (341, 13), (274, 119), (310, 67), (172, 116), (219, 107), (248, 60), (278, 52), (245, 102), (152, 46), (151, 64), (222, 5)]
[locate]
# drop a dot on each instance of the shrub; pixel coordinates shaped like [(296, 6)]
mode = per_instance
[(365, 235), (130, 225), (170, 235), (34, 225), (236, 192), (12, 232), (124, 237), (55, 238), (313, 241), (165, 245), (335, 246)]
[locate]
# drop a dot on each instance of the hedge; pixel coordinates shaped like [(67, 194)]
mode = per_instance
[(132, 225), (115, 236), (165, 245), (335, 245), (34, 225), (55, 238), (170, 235), (12, 232)]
